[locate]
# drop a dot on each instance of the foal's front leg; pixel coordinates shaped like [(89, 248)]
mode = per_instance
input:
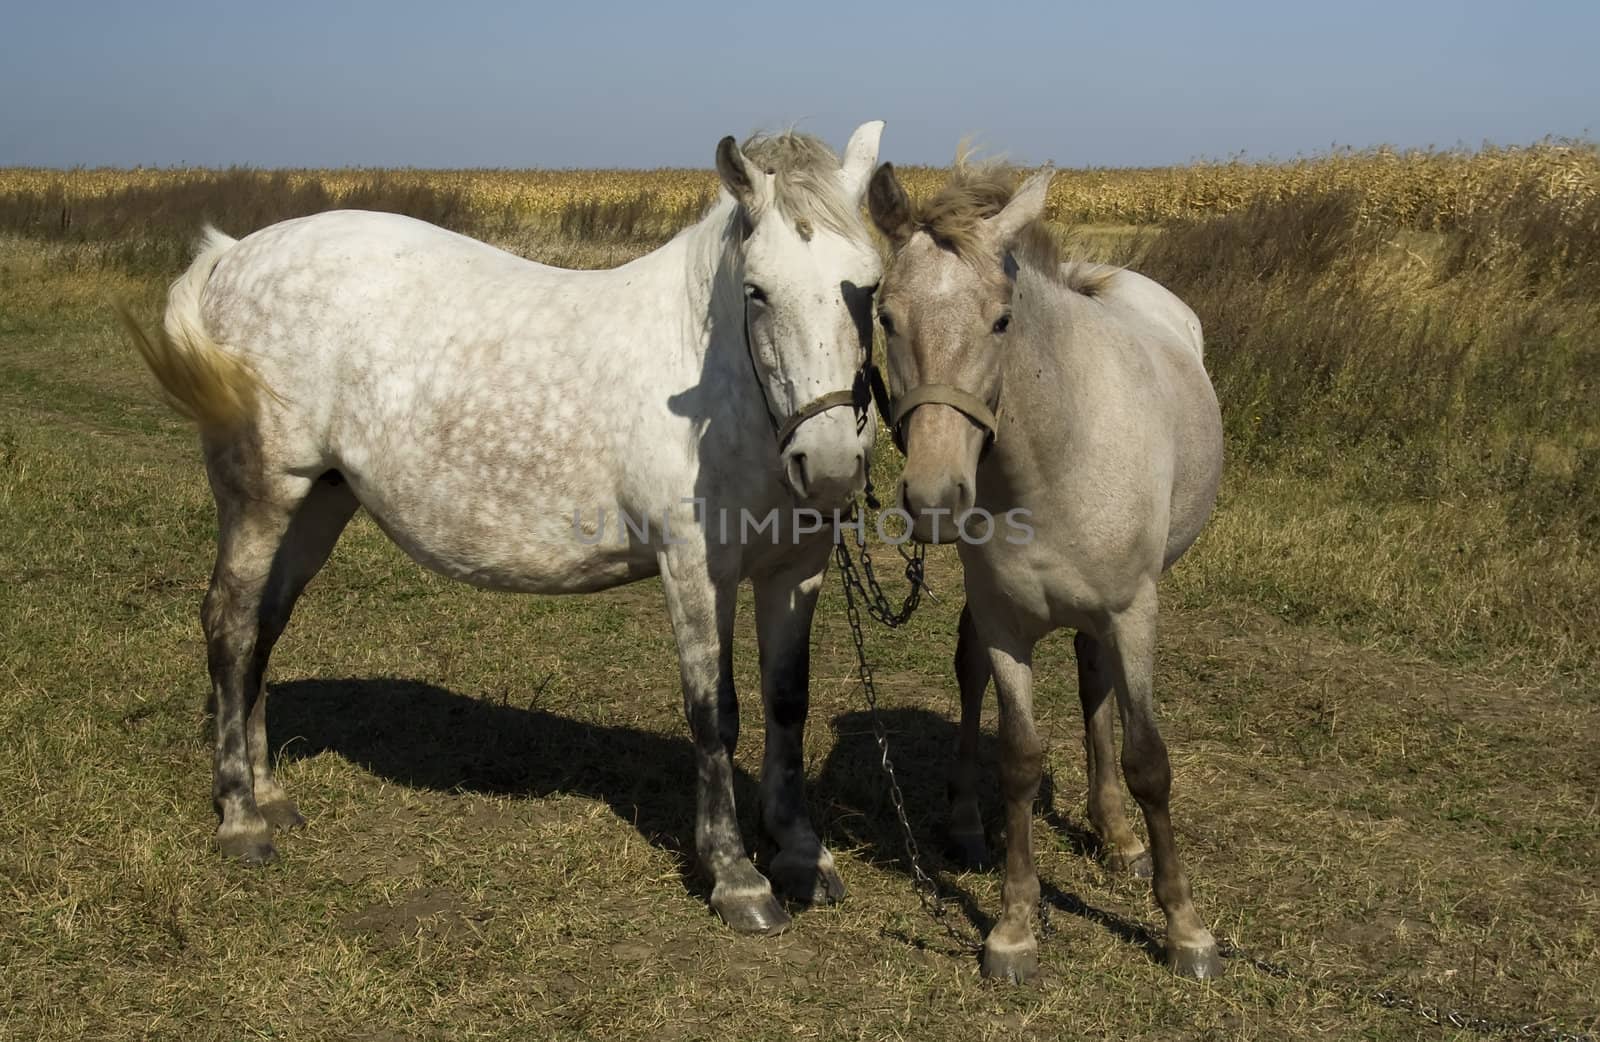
[(1011, 951), (700, 601), (802, 869), (967, 841)]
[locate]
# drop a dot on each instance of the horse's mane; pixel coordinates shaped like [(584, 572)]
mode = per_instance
[(808, 188), (975, 192)]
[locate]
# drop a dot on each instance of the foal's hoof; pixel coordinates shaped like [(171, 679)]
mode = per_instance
[(1018, 965), (758, 913), (970, 851), (250, 848), (1136, 865), (282, 814), (1198, 963), (807, 880)]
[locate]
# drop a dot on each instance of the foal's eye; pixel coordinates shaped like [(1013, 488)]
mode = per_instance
[(886, 322), (1002, 324), (754, 294)]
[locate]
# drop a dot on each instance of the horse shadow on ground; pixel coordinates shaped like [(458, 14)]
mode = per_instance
[(427, 737)]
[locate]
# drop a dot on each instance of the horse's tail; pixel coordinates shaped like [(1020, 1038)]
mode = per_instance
[(212, 387)]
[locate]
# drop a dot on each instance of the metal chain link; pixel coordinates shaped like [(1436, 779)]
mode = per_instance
[(865, 581), (1391, 998)]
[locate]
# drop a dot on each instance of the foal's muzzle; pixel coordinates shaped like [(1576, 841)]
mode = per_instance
[(937, 503)]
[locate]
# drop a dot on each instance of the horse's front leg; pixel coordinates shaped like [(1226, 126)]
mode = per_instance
[(700, 601), (802, 869), (1011, 951)]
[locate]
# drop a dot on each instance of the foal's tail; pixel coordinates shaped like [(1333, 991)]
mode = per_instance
[(215, 389)]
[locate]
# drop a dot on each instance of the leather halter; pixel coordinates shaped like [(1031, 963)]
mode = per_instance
[(964, 402), (862, 391), (868, 388)]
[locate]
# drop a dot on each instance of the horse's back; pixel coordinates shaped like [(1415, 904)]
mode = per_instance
[(1142, 347), (1140, 296), (1170, 331), (439, 376)]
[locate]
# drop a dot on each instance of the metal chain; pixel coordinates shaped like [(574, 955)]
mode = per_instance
[(1390, 998), (865, 580), (880, 608)]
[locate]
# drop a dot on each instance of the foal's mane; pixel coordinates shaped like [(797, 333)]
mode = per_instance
[(808, 188), (975, 192)]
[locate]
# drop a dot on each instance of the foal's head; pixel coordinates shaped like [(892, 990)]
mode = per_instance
[(809, 270), (945, 310)]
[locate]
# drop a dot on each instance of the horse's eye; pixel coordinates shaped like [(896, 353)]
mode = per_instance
[(754, 294), (886, 322), (1002, 324)]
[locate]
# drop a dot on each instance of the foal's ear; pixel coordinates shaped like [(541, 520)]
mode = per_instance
[(889, 206), (1025, 207), (745, 181), (859, 156)]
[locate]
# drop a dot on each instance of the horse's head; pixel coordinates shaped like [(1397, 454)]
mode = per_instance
[(945, 310), (809, 271)]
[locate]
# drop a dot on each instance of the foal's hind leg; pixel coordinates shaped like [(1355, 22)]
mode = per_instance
[(1121, 849), (967, 840), (802, 868), (1129, 642), (312, 532)]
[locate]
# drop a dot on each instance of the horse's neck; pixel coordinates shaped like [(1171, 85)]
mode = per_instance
[(1048, 353), (705, 258)]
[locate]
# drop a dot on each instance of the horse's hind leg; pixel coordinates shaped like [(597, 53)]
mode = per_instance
[(312, 532), (1121, 849), (967, 841), (1129, 644), (255, 516)]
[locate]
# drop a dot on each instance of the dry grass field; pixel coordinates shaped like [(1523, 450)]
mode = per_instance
[(1377, 674)]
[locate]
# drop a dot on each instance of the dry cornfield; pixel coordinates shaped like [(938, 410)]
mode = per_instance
[(1424, 189)]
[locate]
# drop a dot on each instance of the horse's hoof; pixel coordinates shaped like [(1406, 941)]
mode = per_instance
[(808, 881), (1017, 965), (970, 852), (250, 848), (752, 913), (1203, 963), (1139, 865), (282, 814)]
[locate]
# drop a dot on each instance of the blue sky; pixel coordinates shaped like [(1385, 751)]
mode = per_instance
[(593, 83)]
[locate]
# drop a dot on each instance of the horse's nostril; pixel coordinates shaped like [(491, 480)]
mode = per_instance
[(963, 497), (796, 467)]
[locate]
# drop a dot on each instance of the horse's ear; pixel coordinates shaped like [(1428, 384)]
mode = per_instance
[(742, 178), (889, 206), (1025, 207), (859, 156)]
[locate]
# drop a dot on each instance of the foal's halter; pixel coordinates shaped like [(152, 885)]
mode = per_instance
[(964, 402)]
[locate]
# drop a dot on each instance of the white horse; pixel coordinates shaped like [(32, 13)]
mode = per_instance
[(491, 413), (1076, 393)]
